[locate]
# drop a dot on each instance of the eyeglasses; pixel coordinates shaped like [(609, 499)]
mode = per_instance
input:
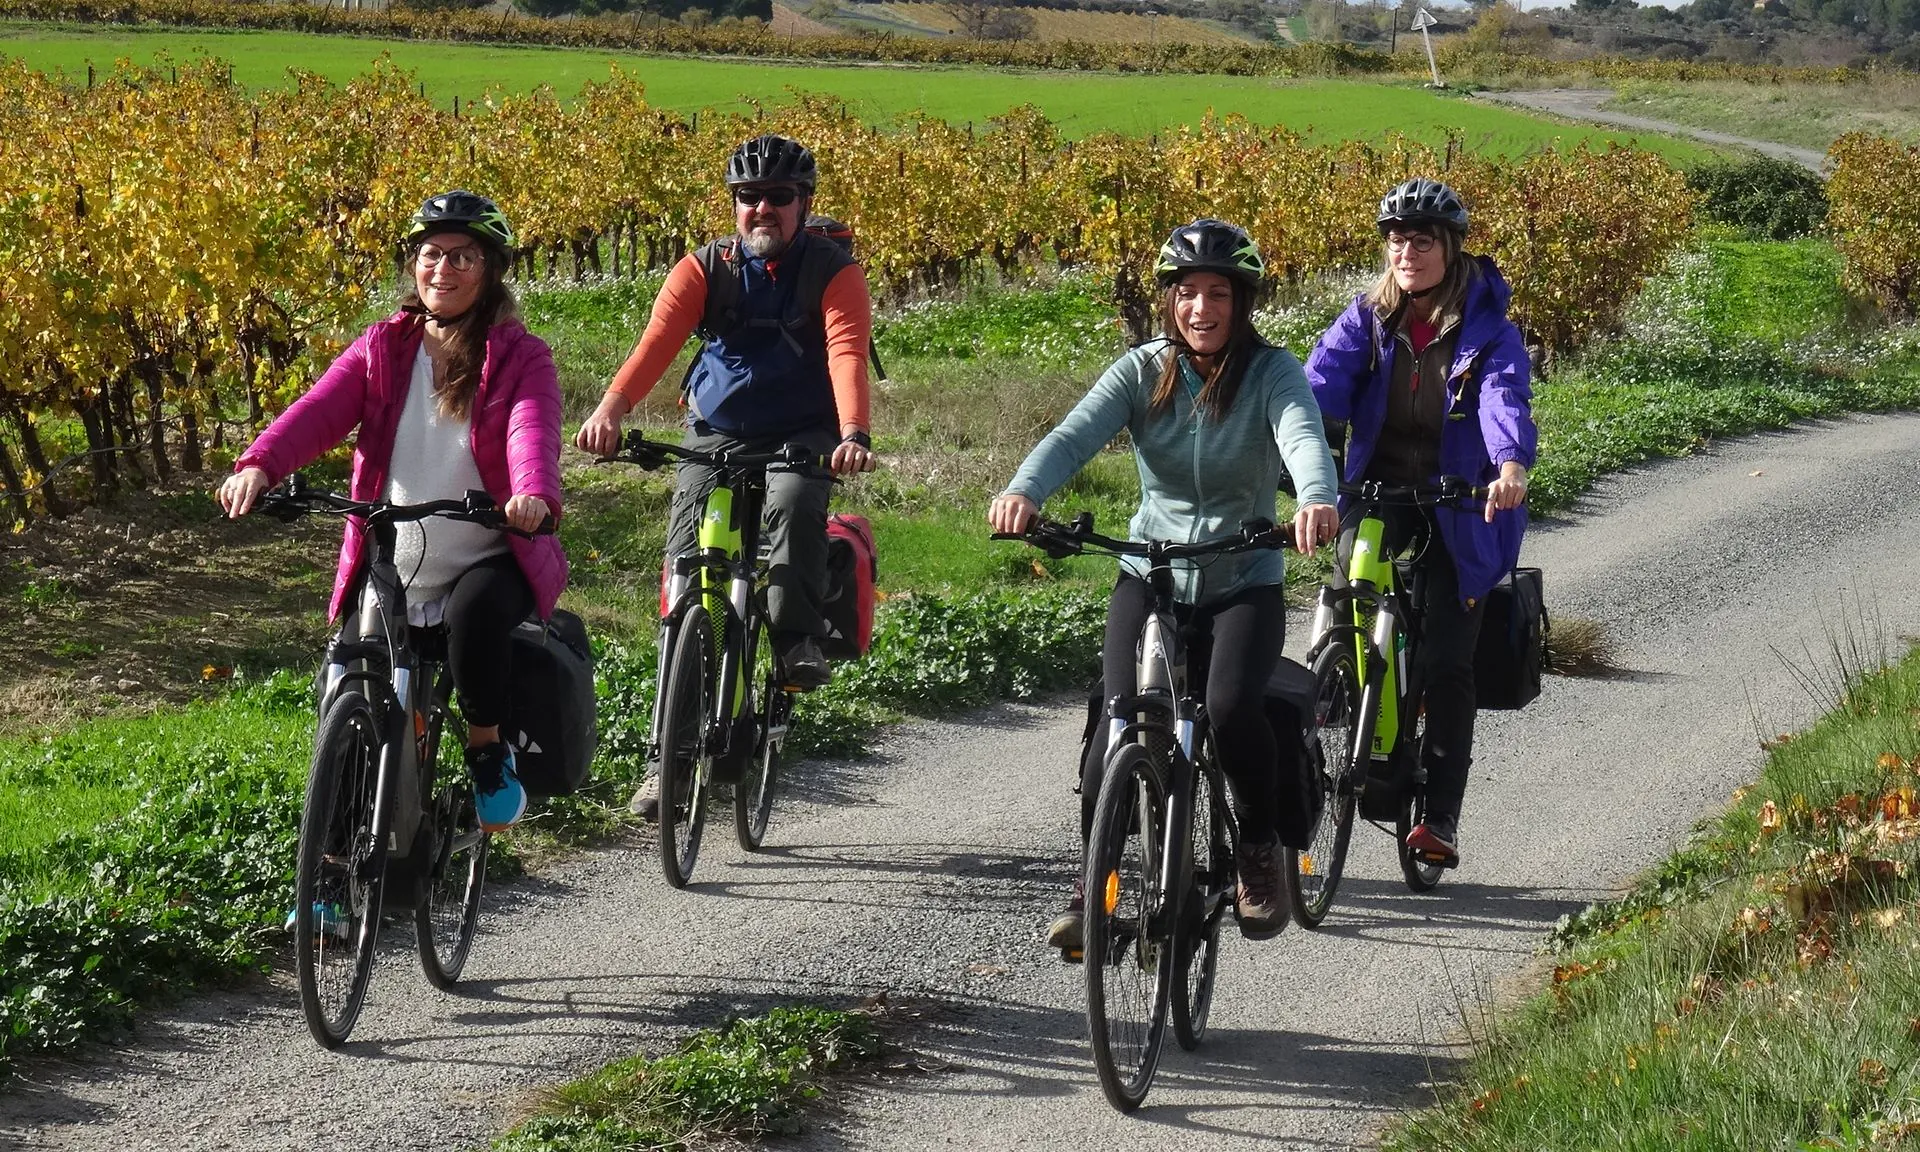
[(1418, 241), (778, 197), (459, 259)]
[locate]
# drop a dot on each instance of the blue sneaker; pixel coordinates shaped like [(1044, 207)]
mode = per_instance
[(329, 919), (498, 798)]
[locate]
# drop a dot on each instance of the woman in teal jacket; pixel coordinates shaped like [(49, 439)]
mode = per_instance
[(1215, 414)]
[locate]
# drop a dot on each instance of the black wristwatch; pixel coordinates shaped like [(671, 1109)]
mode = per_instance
[(859, 437)]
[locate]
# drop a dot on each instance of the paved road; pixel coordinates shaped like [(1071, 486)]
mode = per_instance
[(1585, 104), (928, 872)]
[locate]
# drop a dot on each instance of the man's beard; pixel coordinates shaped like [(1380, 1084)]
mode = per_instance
[(763, 244)]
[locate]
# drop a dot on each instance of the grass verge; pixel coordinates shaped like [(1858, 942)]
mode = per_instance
[(751, 1077), (1760, 990)]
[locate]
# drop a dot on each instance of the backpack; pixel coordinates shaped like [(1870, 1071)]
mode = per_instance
[(1512, 652), (551, 714), (853, 567)]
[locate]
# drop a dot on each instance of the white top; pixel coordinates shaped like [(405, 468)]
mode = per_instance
[(433, 460)]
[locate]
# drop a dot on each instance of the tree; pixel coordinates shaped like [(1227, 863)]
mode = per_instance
[(987, 20)]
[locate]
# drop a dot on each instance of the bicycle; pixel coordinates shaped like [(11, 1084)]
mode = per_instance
[(1160, 873), (376, 753), (1377, 771), (723, 706)]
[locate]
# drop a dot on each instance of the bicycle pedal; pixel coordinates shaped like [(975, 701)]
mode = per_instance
[(1440, 859), (1072, 955)]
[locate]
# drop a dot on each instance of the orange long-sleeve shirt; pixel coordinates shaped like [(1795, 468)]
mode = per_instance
[(678, 309)]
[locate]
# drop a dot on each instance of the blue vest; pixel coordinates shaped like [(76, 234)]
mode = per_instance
[(764, 375)]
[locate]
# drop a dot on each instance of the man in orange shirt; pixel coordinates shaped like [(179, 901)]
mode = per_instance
[(786, 319)]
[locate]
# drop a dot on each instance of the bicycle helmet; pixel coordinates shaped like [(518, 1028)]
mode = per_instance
[(1422, 201), (772, 159), (462, 211), (1209, 245)]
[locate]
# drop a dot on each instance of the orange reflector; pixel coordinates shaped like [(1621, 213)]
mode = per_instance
[(1306, 864), (1113, 892)]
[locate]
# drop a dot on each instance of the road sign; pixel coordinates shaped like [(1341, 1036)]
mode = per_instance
[(1422, 20)]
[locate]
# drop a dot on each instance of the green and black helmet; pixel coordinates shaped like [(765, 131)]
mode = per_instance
[(1209, 245), (772, 159), (1422, 203), (462, 211)]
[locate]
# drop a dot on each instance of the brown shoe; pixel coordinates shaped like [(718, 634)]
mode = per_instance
[(1068, 930), (1262, 901), (646, 798)]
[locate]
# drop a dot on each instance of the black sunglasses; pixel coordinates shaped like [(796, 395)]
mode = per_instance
[(778, 197)]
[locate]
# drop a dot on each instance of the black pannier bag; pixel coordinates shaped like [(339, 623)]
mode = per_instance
[(1512, 652), (552, 709)]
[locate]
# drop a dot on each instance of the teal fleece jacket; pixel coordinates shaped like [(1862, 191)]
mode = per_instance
[(1199, 478)]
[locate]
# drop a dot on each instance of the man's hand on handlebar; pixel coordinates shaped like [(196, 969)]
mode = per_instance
[(1314, 525), (600, 434), (853, 454), (241, 491), (1011, 512)]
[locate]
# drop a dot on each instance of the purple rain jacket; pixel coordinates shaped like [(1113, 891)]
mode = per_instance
[(1489, 417)]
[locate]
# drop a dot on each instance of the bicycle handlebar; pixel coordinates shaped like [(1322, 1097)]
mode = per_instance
[(1450, 489), (294, 499), (652, 454), (1060, 540)]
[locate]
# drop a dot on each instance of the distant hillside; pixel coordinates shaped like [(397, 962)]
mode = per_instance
[(926, 18)]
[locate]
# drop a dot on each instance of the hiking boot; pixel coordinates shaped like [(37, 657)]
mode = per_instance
[(1436, 840), (805, 666), (1068, 930), (1262, 901), (646, 799), (498, 798)]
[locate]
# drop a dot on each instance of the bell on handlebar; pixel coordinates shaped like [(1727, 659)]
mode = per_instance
[(478, 501)]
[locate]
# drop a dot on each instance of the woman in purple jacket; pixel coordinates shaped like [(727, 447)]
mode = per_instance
[(1431, 378), (450, 394)]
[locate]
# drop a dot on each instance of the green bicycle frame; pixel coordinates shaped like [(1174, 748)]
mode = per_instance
[(1372, 567), (720, 530)]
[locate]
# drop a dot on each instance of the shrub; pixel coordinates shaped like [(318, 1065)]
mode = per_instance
[(1765, 198), (1875, 218)]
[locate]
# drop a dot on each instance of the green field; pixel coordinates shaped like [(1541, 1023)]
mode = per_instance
[(1082, 103)]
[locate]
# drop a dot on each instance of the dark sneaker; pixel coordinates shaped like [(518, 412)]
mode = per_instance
[(646, 799), (1437, 841), (497, 796), (1068, 930), (806, 668), (1262, 900)]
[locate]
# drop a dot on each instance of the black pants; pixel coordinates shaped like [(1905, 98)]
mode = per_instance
[(486, 603), (796, 525), (1443, 664), (1237, 644)]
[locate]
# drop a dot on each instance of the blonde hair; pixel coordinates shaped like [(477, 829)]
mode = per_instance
[(1447, 300)]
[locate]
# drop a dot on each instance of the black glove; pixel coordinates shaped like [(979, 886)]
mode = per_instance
[(858, 437)]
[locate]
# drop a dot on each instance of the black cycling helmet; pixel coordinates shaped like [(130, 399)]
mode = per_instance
[(462, 211), (1421, 201), (1209, 245), (772, 159)]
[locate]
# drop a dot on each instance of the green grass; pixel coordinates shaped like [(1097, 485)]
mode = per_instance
[(1808, 115), (1082, 103), (1760, 991)]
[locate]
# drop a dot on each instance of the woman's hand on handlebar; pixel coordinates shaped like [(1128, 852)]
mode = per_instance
[(241, 491), (526, 512), (600, 434), (1011, 512), (1314, 525), (1509, 490)]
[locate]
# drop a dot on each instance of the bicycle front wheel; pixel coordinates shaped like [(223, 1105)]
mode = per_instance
[(337, 878), (1128, 954), (1335, 763), (753, 794), (444, 921), (1209, 892), (686, 718)]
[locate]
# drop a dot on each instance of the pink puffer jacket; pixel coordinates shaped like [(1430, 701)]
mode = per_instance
[(516, 435)]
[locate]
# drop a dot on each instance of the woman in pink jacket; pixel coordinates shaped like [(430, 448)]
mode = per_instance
[(451, 393)]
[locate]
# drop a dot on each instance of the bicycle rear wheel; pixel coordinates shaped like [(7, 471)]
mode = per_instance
[(686, 718), (337, 880), (1210, 891), (1337, 763), (1128, 959), (1420, 873), (753, 794), (445, 920)]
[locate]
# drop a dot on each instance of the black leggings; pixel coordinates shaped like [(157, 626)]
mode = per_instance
[(1238, 642), (486, 603)]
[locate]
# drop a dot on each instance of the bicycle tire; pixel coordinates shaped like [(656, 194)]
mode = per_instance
[(1338, 763), (447, 916), (337, 888), (1210, 892), (686, 717), (1128, 973), (753, 793)]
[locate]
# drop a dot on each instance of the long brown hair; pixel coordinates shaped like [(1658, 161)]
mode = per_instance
[(1447, 300), (467, 342), (1219, 387)]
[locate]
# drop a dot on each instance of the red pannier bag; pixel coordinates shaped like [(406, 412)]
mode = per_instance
[(853, 567)]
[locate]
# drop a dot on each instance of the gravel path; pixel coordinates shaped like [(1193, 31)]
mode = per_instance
[(1585, 104), (929, 870)]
